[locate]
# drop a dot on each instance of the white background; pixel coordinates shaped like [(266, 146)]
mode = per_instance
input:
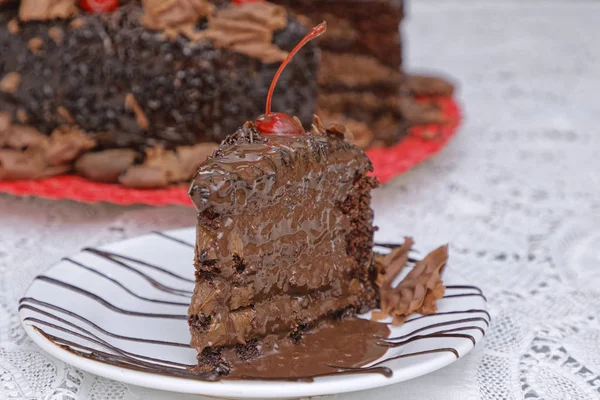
[(517, 194)]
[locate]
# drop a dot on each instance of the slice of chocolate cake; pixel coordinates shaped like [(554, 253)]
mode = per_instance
[(285, 244), (285, 231), (285, 235)]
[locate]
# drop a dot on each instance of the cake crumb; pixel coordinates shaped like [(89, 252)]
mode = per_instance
[(10, 83), (56, 34), (35, 45), (131, 104), (13, 26)]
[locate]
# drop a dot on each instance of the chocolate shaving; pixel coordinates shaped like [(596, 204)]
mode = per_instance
[(341, 132), (42, 10), (10, 82), (317, 126), (248, 29), (175, 17), (65, 114), (418, 292), (131, 104), (357, 133)]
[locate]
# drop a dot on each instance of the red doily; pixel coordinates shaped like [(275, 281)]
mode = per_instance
[(422, 142)]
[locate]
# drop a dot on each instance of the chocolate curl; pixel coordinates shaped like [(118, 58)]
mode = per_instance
[(418, 292)]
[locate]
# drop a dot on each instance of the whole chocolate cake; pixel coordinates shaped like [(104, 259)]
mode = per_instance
[(139, 87), (139, 91)]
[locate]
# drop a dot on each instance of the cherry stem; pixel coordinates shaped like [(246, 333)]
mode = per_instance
[(314, 33)]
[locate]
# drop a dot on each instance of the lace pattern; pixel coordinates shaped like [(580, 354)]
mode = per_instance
[(516, 194)]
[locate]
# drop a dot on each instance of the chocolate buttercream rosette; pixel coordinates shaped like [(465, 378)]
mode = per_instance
[(422, 143)]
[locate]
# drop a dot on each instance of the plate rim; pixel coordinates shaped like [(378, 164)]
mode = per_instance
[(250, 389)]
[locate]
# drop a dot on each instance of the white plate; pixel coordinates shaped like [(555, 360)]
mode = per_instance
[(90, 303)]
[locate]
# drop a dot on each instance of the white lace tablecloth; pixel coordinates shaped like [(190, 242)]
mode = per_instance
[(517, 194)]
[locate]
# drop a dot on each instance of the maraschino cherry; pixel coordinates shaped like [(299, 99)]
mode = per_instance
[(279, 123), (96, 6)]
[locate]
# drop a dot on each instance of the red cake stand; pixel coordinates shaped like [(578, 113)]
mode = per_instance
[(422, 143)]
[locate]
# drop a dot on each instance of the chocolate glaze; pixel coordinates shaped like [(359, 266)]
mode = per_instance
[(334, 346)]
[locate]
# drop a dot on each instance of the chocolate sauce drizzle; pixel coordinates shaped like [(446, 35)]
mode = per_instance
[(105, 303), (25, 306), (120, 357), (114, 257), (174, 239), (116, 282)]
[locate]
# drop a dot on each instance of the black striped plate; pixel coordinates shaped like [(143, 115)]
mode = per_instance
[(120, 312)]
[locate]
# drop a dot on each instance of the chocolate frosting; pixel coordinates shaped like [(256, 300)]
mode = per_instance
[(162, 167), (175, 16), (27, 154), (248, 29), (105, 166), (42, 10)]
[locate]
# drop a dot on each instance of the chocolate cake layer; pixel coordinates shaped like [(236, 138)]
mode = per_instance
[(284, 235), (131, 86)]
